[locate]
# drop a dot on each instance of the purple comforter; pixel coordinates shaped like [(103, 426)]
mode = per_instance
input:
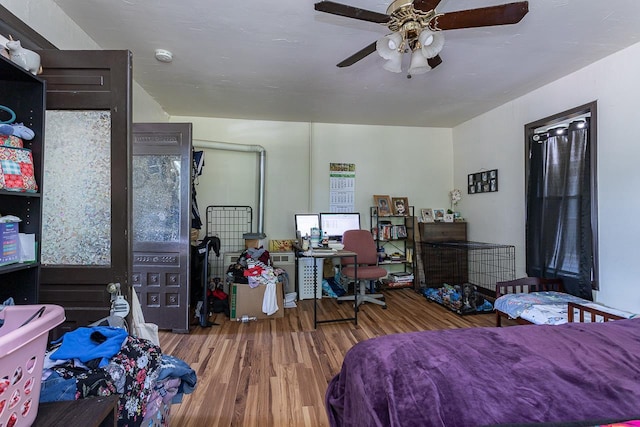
[(482, 376)]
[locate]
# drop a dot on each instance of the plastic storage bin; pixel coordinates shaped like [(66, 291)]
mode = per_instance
[(23, 341), (306, 277)]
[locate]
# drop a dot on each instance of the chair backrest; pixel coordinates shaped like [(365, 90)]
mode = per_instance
[(362, 243)]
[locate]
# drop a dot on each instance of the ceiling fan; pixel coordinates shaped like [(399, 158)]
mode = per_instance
[(416, 28)]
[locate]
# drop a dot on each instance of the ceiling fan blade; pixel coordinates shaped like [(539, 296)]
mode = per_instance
[(351, 12), (435, 61), (426, 5), (510, 13), (358, 55)]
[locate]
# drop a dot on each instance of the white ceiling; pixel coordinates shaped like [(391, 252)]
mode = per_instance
[(275, 60)]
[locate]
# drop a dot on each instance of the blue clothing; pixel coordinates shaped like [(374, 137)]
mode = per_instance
[(89, 343), (55, 388), (7, 303), (171, 366)]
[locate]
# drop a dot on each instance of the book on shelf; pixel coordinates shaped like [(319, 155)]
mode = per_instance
[(388, 231)]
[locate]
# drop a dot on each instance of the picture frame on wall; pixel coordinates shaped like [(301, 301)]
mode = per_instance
[(383, 204), (482, 182), (400, 206)]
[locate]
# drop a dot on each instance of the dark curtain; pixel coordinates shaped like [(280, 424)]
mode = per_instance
[(558, 234)]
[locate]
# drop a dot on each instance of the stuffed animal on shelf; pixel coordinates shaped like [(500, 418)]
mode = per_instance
[(16, 129)]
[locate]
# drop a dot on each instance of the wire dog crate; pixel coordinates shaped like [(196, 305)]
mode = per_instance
[(477, 263), (229, 224)]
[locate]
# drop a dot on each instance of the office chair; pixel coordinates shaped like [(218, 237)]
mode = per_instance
[(362, 243)]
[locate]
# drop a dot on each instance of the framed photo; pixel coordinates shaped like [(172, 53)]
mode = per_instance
[(401, 231), (383, 203), (438, 215), (482, 182), (426, 215), (400, 206), (448, 217)]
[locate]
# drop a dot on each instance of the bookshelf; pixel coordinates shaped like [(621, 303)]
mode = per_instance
[(395, 242)]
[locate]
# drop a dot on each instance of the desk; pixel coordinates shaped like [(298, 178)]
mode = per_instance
[(332, 254)]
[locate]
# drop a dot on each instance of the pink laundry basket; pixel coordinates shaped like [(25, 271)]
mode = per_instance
[(23, 342)]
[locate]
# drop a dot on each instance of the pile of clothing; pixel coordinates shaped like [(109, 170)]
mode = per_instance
[(104, 360), (463, 299), (253, 267)]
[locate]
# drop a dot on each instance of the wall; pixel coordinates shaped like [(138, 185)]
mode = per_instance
[(297, 166), (500, 217)]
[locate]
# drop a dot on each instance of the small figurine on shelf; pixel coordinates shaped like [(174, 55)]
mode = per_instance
[(25, 58)]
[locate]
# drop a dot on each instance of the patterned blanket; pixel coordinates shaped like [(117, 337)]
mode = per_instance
[(547, 308)]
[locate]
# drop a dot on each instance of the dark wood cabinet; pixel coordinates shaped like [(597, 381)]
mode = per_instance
[(24, 93), (443, 232), (443, 264)]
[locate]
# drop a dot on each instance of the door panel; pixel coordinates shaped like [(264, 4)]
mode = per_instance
[(161, 222), (86, 243)]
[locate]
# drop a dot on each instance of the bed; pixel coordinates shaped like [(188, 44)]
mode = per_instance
[(576, 372), (543, 302)]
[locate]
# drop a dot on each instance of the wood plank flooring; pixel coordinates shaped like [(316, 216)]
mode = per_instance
[(275, 372)]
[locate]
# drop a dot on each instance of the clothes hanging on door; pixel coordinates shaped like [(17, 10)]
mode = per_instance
[(196, 171)]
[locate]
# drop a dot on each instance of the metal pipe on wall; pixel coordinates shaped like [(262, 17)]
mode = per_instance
[(218, 145)]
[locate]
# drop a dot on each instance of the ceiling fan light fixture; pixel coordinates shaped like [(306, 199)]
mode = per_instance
[(394, 64), (432, 43), (388, 46), (416, 26), (419, 64)]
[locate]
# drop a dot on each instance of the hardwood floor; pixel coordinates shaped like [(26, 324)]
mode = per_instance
[(275, 372)]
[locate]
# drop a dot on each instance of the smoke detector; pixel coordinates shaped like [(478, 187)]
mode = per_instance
[(164, 55)]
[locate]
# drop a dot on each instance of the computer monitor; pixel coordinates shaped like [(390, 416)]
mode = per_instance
[(335, 224), (305, 222)]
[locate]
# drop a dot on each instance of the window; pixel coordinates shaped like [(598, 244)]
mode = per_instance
[(561, 227)]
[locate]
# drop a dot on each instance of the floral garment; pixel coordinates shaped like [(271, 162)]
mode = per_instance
[(131, 373)]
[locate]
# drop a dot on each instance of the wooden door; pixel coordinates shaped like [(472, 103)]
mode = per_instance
[(86, 240), (161, 222)]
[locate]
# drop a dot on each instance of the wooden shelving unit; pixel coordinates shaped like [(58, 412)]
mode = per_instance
[(25, 94), (395, 235)]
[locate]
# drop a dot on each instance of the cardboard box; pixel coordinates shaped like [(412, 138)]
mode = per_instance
[(281, 245), (245, 300), (9, 243)]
